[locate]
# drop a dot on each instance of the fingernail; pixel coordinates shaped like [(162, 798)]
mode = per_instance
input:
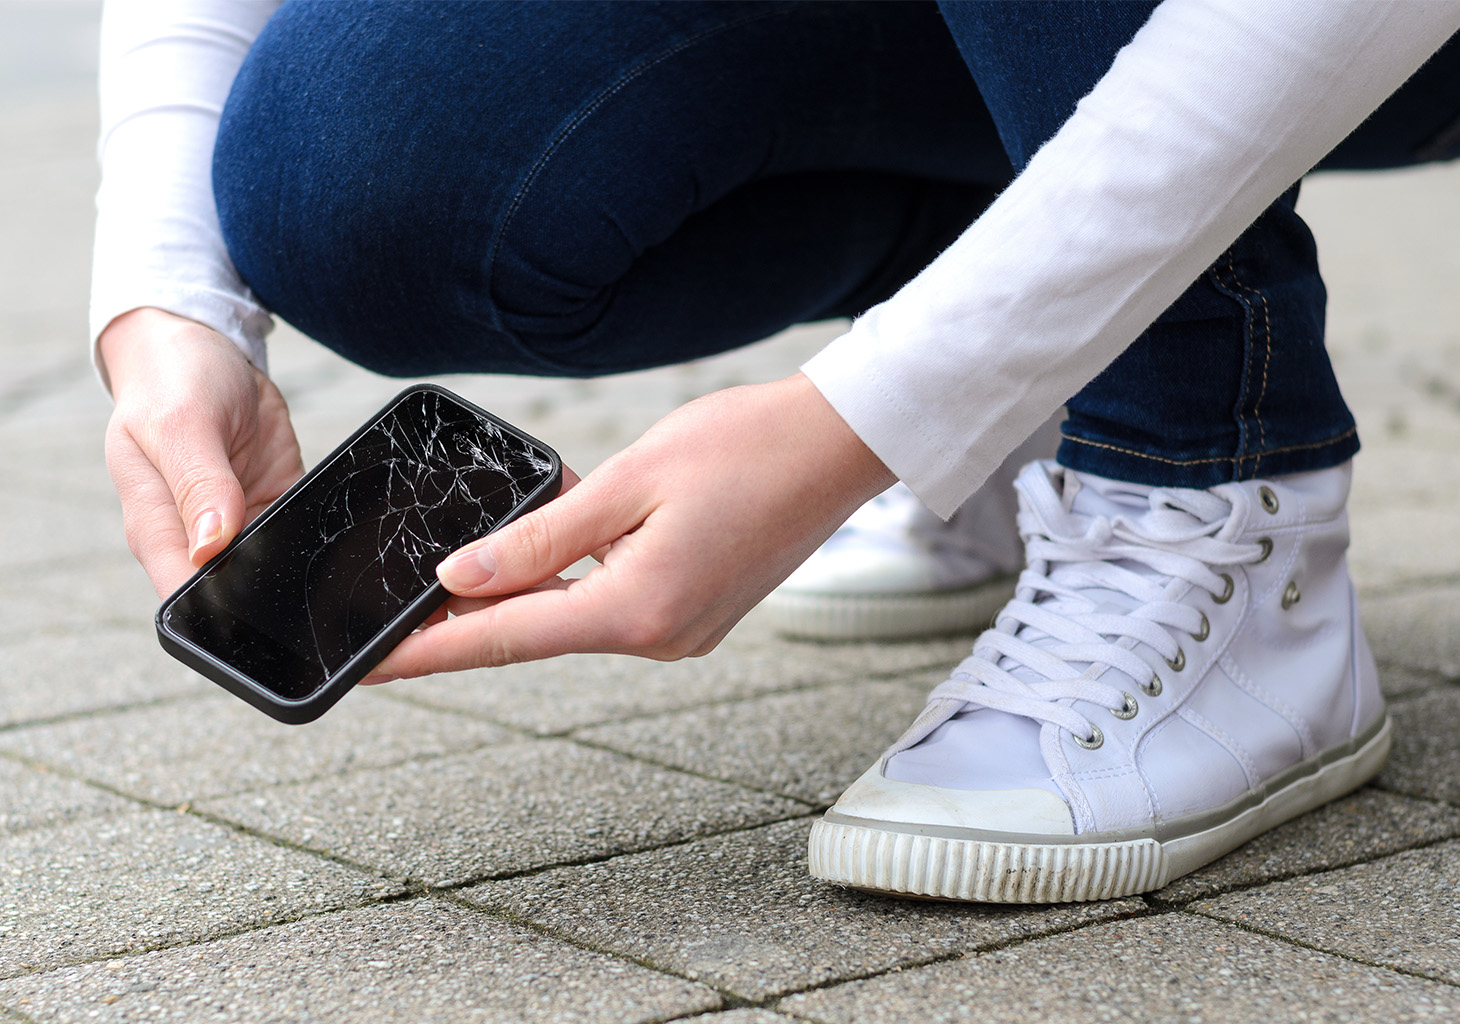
[(374, 680), (467, 569), (207, 529)]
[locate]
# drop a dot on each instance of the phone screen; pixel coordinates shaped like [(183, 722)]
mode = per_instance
[(329, 567)]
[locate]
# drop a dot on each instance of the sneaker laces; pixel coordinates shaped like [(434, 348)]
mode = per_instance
[(1097, 587)]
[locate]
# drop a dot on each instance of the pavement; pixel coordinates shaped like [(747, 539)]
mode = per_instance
[(606, 839)]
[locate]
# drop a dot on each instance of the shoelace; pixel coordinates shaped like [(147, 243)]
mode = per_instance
[(1095, 589)]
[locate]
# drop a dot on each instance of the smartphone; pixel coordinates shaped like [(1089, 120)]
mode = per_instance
[(342, 567)]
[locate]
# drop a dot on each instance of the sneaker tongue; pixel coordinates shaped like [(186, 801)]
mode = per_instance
[(1089, 495)]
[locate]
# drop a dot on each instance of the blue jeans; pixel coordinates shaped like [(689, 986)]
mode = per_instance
[(579, 189)]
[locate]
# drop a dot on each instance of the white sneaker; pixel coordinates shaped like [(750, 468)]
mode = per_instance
[(896, 571), (1179, 671)]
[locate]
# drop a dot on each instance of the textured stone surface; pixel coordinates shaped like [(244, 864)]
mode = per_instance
[(1362, 826), (1400, 912), (113, 885), (1170, 968), (1402, 681), (809, 745), (33, 798), (500, 810), (217, 744), (1425, 760), (46, 675), (410, 962), (740, 912), (1419, 627)]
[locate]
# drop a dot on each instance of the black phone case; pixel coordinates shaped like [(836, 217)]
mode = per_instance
[(307, 709)]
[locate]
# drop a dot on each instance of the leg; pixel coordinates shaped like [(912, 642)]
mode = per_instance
[(586, 188), (1182, 666)]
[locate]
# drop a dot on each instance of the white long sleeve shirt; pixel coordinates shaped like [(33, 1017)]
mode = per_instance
[(1206, 117)]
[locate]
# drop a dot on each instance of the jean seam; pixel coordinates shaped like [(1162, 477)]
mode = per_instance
[(1219, 458), (1241, 293), (586, 112)]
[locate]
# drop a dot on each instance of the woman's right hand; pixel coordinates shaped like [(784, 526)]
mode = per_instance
[(199, 442)]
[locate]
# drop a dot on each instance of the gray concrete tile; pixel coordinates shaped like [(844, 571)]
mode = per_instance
[(1425, 759), (1419, 628), (417, 961), (78, 595), (1363, 826), (1400, 911), (743, 1016), (810, 745), (38, 528), (568, 693), (217, 745), (38, 799), (112, 885), (1402, 681), (1169, 968), (499, 811), (48, 674), (740, 912)]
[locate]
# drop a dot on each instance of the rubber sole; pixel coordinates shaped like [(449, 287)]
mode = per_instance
[(811, 616), (896, 858)]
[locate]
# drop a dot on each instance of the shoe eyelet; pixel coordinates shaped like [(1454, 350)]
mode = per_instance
[(1266, 543), (1096, 740), (1153, 688), (1128, 710), (1205, 631), (1226, 595), (1179, 663), (1269, 500), (1291, 595)]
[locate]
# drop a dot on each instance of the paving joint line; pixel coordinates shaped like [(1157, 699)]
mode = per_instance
[(213, 937), (73, 716), (1315, 948), (1241, 887)]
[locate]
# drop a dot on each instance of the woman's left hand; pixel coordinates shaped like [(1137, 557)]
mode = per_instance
[(694, 523)]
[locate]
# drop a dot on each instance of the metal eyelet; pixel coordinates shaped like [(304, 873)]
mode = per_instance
[(1153, 689), (1179, 663), (1128, 711), (1206, 629), (1096, 740), (1226, 595), (1268, 499), (1291, 596), (1266, 543)]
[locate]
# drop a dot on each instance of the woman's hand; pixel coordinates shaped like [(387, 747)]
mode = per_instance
[(199, 443), (693, 524)]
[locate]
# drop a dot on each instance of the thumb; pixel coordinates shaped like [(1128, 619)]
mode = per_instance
[(209, 498), (535, 548)]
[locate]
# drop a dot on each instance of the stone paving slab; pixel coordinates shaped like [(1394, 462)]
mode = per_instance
[(808, 745), (1416, 628), (1362, 826), (1425, 759), (1401, 911), (1174, 967), (564, 694), (37, 799), (1402, 681), (216, 744), (103, 886), (411, 962), (740, 912), (48, 674), (499, 811), (79, 594)]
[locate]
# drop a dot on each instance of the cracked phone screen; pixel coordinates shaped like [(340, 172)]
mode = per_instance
[(327, 570)]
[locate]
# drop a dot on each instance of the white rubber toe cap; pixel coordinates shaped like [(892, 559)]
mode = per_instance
[(910, 805)]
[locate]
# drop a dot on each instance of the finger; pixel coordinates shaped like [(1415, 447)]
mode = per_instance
[(524, 627), (195, 465), (541, 544)]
